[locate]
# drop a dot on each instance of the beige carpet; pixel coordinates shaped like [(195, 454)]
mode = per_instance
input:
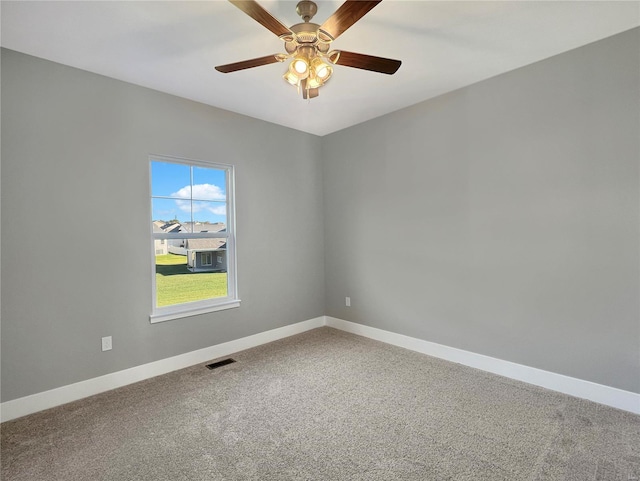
[(325, 405)]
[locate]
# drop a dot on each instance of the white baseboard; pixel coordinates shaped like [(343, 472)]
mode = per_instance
[(72, 392), (599, 393)]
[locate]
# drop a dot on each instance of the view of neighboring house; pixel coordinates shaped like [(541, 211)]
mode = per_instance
[(202, 255), (206, 255), (161, 246)]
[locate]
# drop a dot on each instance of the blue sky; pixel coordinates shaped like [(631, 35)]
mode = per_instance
[(205, 198)]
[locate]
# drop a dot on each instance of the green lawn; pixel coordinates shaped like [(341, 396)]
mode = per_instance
[(175, 284)]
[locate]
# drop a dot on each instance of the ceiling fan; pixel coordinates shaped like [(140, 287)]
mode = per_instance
[(307, 44)]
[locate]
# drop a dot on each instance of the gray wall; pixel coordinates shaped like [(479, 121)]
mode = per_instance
[(76, 264), (501, 218)]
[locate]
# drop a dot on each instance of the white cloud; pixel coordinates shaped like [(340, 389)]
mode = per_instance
[(219, 210), (184, 205), (200, 192)]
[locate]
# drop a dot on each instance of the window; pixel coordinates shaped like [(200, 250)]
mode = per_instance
[(192, 222)]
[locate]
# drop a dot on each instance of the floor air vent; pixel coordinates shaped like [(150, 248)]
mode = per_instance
[(224, 362)]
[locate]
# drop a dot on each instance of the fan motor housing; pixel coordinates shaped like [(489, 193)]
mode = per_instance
[(306, 34)]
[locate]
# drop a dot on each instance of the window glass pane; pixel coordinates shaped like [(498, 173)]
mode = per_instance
[(170, 180), (171, 211), (210, 214), (209, 184), (185, 278)]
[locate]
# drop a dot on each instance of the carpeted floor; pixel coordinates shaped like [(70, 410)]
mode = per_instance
[(325, 405)]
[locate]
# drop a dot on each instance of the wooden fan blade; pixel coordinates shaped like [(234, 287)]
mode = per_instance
[(264, 18), (254, 62), (365, 62), (347, 14)]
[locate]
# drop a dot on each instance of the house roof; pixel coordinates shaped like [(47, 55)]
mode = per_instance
[(190, 227), (205, 244), (159, 226), (203, 227)]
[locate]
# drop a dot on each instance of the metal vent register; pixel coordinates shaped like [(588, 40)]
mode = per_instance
[(224, 362)]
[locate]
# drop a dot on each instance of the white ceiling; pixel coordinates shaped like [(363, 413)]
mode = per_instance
[(172, 46)]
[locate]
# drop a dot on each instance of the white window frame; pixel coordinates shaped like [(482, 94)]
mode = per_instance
[(176, 311)]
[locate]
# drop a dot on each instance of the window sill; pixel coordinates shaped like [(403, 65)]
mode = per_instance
[(169, 316)]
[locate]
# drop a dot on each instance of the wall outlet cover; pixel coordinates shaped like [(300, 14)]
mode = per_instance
[(107, 343)]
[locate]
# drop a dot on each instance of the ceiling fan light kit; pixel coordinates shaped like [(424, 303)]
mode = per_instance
[(307, 45)]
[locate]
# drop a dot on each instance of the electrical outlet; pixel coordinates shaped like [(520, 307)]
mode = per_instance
[(107, 343), (347, 301)]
